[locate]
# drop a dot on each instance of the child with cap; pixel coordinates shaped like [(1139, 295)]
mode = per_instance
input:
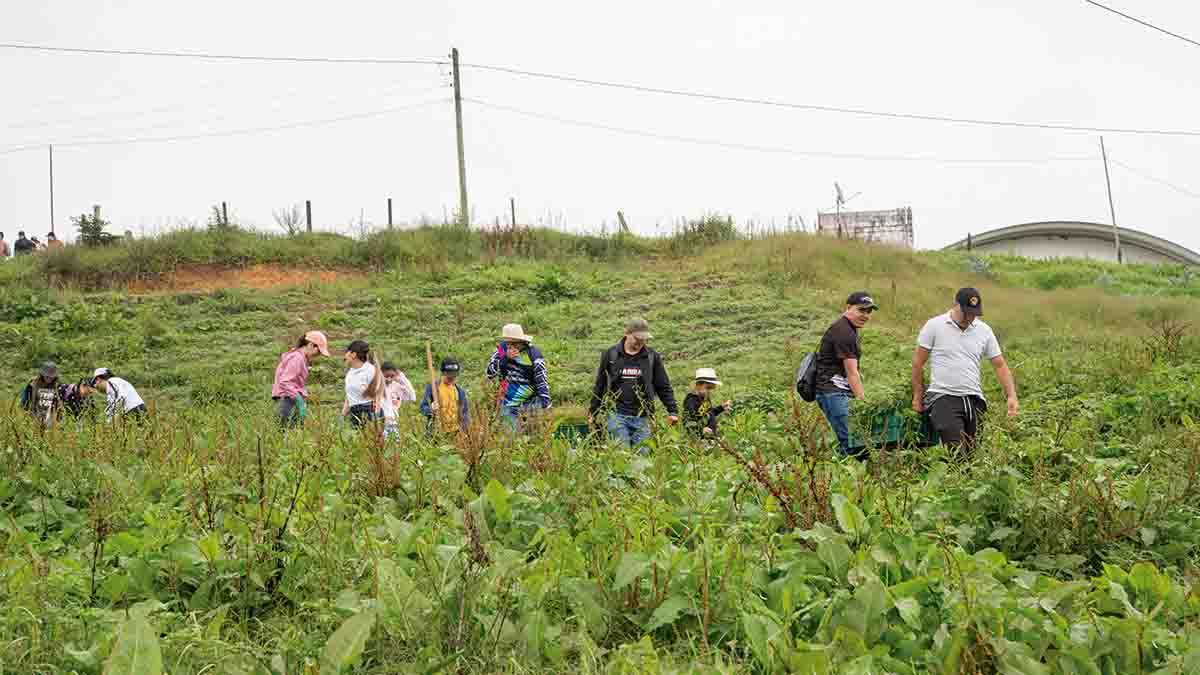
[(291, 377), (123, 399), (450, 407), (41, 397), (699, 412)]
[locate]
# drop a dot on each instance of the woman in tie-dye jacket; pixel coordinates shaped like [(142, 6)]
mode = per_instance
[(521, 369)]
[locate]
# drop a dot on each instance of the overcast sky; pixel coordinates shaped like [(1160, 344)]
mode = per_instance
[(1060, 61)]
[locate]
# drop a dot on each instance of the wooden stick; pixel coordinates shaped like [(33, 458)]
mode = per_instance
[(433, 380)]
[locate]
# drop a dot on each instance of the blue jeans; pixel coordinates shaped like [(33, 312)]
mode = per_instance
[(630, 430), (836, 406), (514, 415)]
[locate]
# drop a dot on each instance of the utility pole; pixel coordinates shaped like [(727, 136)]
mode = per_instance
[(52, 191), (464, 216), (224, 214), (389, 213), (1112, 211), (512, 204), (308, 215)]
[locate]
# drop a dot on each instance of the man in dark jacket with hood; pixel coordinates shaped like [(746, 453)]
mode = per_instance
[(632, 374)]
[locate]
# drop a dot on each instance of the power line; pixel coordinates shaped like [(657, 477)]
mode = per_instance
[(230, 132), (945, 119), (770, 149), (1147, 24), (208, 56), (830, 109), (1178, 188)]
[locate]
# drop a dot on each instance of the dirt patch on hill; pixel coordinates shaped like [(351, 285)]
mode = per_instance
[(210, 278)]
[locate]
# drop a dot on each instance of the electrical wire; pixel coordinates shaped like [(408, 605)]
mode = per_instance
[(769, 149), (945, 119), (208, 56), (229, 132), (1147, 24), (829, 109), (1178, 188)]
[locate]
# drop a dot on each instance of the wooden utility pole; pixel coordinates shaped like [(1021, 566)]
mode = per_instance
[(433, 378), (308, 214), (464, 215), (224, 214), (1112, 211), (389, 213), (52, 191), (512, 205)]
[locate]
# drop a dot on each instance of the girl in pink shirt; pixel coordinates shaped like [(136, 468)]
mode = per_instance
[(291, 378)]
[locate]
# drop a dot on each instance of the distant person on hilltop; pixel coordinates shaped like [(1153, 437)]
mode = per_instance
[(23, 246), (838, 378), (953, 344), (291, 378), (40, 398), (521, 369), (4, 250), (53, 241), (630, 375)]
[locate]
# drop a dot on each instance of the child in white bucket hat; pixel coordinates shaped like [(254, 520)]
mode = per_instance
[(699, 412)]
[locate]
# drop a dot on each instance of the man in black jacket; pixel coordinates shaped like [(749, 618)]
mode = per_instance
[(23, 246), (632, 374)]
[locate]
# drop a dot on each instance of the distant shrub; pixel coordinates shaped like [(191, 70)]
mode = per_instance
[(698, 234), (554, 285), (20, 307)]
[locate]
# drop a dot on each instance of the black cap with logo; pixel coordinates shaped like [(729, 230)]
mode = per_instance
[(861, 299), (970, 301), (450, 366)]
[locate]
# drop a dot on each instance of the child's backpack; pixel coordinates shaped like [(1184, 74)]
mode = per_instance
[(806, 378)]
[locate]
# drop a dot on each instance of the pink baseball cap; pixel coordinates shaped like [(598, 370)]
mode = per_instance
[(318, 338)]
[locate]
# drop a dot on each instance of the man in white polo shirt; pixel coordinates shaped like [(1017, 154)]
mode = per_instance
[(953, 344)]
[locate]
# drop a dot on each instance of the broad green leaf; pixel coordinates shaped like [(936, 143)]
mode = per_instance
[(347, 643), (632, 566), (399, 595), (850, 518), (136, 651), (497, 496), (585, 601), (1149, 583), (836, 555), (809, 660), (910, 611), (210, 547), (667, 612), (213, 630), (1001, 533)]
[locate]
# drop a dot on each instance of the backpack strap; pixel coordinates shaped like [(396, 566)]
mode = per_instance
[(648, 376)]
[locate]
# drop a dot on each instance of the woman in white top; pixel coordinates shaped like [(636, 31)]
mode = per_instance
[(123, 400), (364, 384)]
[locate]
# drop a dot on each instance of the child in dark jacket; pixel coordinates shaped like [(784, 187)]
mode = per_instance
[(448, 412), (700, 413)]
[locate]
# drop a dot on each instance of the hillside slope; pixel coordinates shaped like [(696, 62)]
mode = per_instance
[(207, 541)]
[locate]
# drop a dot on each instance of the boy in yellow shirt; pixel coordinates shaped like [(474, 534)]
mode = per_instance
[(450, 412)]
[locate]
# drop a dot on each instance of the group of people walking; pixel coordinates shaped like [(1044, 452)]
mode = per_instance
[(952, 345), (629, 378), (25, 246), (50, 401)]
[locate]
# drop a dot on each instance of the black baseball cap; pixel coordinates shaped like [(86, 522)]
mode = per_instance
[(48, 370), (862, 299), (970, 301), (450, 366)]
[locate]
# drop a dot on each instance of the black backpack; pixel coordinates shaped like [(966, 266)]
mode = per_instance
[(806, 377)]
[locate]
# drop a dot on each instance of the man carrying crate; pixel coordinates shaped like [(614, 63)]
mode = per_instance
[(953, 344)]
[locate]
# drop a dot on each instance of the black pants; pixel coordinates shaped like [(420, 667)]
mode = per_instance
[(361, 414), (957, 420)]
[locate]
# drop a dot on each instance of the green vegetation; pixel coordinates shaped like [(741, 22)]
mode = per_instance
[(206, 541)]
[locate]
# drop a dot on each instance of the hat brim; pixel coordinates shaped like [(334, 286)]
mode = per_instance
[(705, 380), (642, 335), (869, 305), (972, 311), (527, 339), (323, 350)]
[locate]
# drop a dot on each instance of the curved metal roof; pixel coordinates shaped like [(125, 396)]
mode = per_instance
[(1067, 228)]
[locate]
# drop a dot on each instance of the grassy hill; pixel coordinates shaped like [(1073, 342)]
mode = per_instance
[(1069, 544)]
